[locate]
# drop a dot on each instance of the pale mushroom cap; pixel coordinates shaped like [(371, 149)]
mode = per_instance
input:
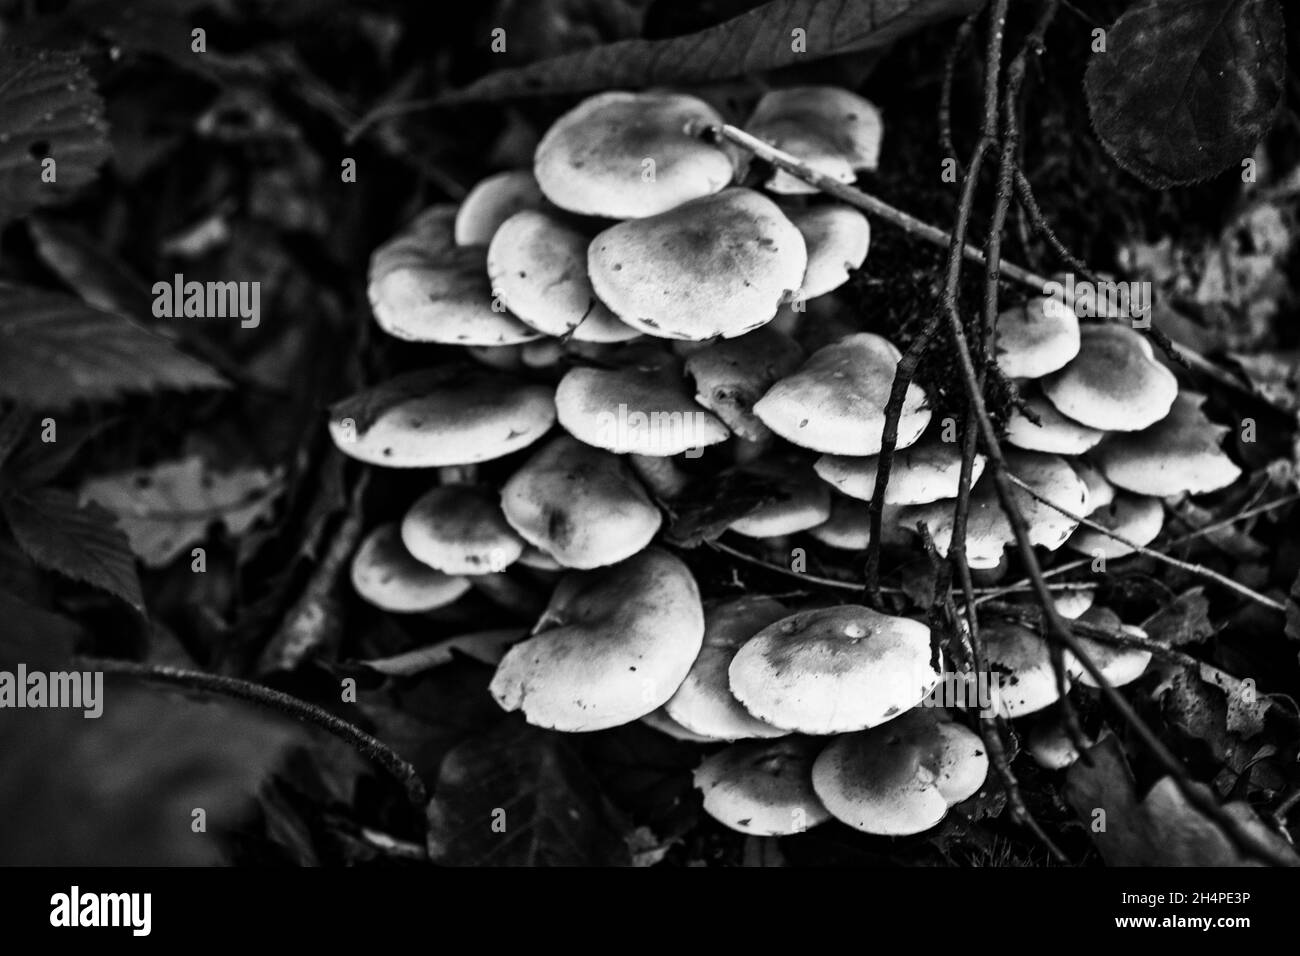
[(849, 526), (928, 471), (837, 238), (716, 266), (903, 777), (1070, 604), (1180, 454), (634, 411), (1138, 518), (459, 529), (816, 150), (384, 574), (1114, 383), (612, 646), (806, 502), (1118, 664), (1050, 745), (492, 201), (629, 155), (1054, 433), (704, 704), (762, 788), (660, 721), (439, 417), (425, 288), (833, 670), (1036, 338), (732, 374), (1021, 662), (1100, 491), (836, 402), (538, 267), (581, 505), (850, 122)]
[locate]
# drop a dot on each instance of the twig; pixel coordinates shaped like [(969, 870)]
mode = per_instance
[(945, 92)]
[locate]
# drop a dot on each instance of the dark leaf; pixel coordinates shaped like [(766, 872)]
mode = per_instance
[(1185, 621), (1186, 88), (759, 40), (83, 543), (97, 276), (365, 408), (34, 635), (518, 796), (55, 350), (705, 511), (48, 109)]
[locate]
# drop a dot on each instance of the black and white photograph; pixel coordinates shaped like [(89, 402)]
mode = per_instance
[(608, 434)]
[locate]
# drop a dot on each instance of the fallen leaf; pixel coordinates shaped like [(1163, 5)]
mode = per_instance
[(1185, 620)]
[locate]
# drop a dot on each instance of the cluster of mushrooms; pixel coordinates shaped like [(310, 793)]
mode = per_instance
[(660, 300)]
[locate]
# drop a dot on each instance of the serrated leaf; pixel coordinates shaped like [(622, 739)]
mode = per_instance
[(1186, 88), (48, 109), (758, 40), (82, 543), (167, 508), (55, 350)]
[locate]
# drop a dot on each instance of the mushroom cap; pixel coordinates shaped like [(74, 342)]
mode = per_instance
[(732, 374), (834, 669), (592, 160), (849, 526), (836, 402), (1036, 338), (459, 529), (1070, 604), (928, 471), (806, 502), (612, 646), (901, 778), (828, 127), (1180, 454), (634, 410), (715, 266), (1049, 743), (1120, 665), (1136, 517), (1114, 383), (537, 559), (1022, 664), (442, 416), (492, 201), (581, 505), (837, 238), (660, 721), (385, 575), (538, 267), (703, 704), (425, 288), (1100, 491), (1053, 433), (763, 788)]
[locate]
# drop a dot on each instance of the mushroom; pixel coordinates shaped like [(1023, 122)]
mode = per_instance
[(1022, 665), (1119, 664), (732, 374), (580, 505), (834, 669), (805, 501), (1114, 383), (1100, 491), (1180, 454), (1036, 338), (901, 778), (1070, 604), (538, 267), (628, 155), (1049, 743), (660, 721), (459, 529), (837, 238), (849, 525), (1138, 518), (715, 266), (836, 401), (1053, 432), (928, 471), (425, 288), (763, 788), (635, 410), (385, 575), (492, 201), (442, 416), (831, 129), (612, 646), (704, 704)]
